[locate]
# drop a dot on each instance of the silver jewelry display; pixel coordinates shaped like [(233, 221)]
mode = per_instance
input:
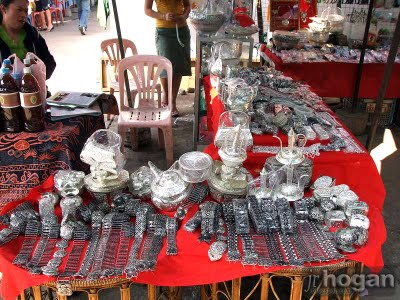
[(46, 244), (172, 228), (89, 257), (351, 145), (142, 215), (127, 232), (32, 231), (233, 253), (216, 250), (47, 201)]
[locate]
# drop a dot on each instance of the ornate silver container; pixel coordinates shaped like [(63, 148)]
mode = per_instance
[(195, 166), (102, 152), (356, 207), (360, 221), (206, 20), (345, 238), (223, 188), (140, 183), (344, 197), (68, 182), (335, 219), (228, 178), (168, 189), (292, 154)]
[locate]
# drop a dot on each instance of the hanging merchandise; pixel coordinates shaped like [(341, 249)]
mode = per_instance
[(284, 15)]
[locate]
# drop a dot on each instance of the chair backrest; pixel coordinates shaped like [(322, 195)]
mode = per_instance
[(145, 71), (111, 48)]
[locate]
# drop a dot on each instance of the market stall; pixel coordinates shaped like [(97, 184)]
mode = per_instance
[(323, 76), (283, 188), (170, 230)]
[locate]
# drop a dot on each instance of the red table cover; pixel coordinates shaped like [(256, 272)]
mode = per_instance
[(192, 266), (336, 79)]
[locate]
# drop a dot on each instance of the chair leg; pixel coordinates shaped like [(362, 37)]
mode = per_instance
[(122, 133), (161, 142), (111, 93), (158, 88), (37, 293), (61, 17), (134, 139), (169, 145)]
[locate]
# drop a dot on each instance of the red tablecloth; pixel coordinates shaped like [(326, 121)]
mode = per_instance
[(334, 79), (215, 108), (192, 266)]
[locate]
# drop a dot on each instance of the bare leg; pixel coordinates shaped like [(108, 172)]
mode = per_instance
[(176, 83), (42, 20), (49, 21), (164, 96)]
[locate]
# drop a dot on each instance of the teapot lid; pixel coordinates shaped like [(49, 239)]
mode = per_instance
[(168, 184)]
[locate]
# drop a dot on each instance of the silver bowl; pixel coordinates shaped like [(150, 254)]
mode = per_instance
[(206, 23)]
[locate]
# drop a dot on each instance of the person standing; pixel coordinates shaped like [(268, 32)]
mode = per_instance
[(172, 41), (83, 14)]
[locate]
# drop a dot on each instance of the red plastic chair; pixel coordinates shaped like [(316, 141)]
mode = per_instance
[(58, 13), (146, 111), (57, 3)]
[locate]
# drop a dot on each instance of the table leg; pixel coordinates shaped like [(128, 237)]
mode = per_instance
[(214, 289), (125, 292), (203, 292), (264, 286), (22, 296), (324, 293), (60, 297), (236, 288), (359, 270), (37, 293), (297, 288), (175, 293), (92, 294), (347, 290), (151, 292)]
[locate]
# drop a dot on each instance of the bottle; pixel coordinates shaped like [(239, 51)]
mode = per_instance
[(10, 106), (31, 58), (27, 62), (7, 64), (31, 102)]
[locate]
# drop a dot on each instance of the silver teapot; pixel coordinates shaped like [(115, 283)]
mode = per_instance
[(168, 189)]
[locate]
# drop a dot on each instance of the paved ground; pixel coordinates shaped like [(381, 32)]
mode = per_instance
[(78, 69)]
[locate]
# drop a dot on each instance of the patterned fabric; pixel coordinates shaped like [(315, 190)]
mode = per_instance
[(27, 159)]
